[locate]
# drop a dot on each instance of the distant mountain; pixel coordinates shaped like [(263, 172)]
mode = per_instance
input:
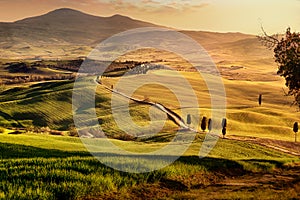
[(67, 33), (65, 26)]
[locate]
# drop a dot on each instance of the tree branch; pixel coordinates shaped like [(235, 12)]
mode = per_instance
[(269, 41)]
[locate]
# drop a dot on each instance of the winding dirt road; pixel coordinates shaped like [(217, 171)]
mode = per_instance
[(171, 114)]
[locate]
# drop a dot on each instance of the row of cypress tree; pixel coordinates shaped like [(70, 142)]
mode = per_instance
[(207, 124)]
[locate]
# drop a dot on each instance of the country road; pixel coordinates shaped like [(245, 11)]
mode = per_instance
[(171, 114)]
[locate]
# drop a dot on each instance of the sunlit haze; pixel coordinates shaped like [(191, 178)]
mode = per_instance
[(210, 15)]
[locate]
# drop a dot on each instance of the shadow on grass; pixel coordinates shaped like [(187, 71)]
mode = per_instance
[(167, 137), (218, 165), (12, 151), (9, 118), (75, 178)]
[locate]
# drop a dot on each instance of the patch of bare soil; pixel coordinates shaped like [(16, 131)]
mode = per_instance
[(279, 184)]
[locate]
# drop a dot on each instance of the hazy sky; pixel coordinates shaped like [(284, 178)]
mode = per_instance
[(213, 15)]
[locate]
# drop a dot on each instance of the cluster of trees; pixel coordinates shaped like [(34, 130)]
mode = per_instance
[(7, 80), (123, 65), (42, 130), (144, 68), (29, 67), (32, 71), (69, 65), (119, 68), (72, 131), (207, 124), (21, 67)]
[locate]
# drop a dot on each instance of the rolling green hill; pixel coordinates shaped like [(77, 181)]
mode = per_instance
[(42, 104), (50, 104), (53, 167)]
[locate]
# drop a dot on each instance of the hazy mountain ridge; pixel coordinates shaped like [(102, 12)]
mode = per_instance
[(67, 33), (77, 28), (66, 26)]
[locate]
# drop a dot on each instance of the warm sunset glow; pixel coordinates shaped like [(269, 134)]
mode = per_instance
[(213, 15)]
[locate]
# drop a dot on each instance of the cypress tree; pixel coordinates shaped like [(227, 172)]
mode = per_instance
[(295, 129), (209, 124), (203, 123), (188, 119), (224, 132), (260, 99), (224, 123)]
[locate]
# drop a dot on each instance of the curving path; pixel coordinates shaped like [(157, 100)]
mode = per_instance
[(171, 114)]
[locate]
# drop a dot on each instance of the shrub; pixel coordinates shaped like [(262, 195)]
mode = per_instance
[(45, 129), (73, 131), (29, 129)]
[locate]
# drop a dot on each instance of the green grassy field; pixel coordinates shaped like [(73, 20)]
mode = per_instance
[(49, 104), (55, 167), (274, 119), (38, 105)]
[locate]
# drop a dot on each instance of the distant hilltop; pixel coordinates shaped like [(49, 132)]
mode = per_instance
[(65, 26), (67, 33)]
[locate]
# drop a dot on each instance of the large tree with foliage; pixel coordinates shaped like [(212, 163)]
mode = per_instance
[(287, 56)]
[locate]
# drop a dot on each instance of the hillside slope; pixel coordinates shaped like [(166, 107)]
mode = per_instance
[(50, 104)]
